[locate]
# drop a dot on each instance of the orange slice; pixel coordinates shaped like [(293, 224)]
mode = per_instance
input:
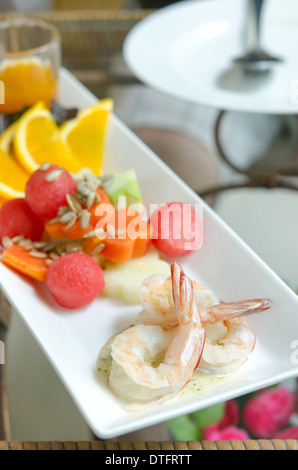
[(13, 177), (85, 135), (37, 140)]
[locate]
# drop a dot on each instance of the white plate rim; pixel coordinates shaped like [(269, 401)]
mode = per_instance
[(133, 38)]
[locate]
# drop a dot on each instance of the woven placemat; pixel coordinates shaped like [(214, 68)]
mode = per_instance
[(260, 444)]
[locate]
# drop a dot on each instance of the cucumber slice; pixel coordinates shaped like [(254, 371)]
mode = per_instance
[(124, 184)]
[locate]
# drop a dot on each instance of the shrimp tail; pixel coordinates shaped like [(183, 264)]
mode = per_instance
[(228, 310), (185, 349)]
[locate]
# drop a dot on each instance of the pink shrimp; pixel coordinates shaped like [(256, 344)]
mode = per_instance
[(133, 374), (158, 309)]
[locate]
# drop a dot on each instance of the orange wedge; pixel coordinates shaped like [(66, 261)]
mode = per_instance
[(85, 135), (37, 140), (13, 177)]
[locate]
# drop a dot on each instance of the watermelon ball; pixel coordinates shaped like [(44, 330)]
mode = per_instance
[(75, 280), (16, 218), (176, 229), (46, 191)]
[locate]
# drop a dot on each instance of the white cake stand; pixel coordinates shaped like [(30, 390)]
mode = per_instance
[(186, 50)]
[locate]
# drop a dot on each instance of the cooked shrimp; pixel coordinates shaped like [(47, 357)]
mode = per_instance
[(134, 375), (228, 345), (157, 300), (158, 309)]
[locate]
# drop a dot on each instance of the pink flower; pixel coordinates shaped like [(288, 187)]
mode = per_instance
[(212, 433), (231, 416), (227, 425), (267, 412), (289, 433)]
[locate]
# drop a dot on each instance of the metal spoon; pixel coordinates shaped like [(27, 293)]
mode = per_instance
[(257, 61)]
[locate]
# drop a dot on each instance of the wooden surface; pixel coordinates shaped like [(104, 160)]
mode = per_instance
[(261, 444)]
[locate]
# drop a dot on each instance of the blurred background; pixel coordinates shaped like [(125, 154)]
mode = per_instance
[(32, 5), (92, 33)]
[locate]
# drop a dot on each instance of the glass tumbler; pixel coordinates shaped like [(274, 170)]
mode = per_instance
[(30, 56)]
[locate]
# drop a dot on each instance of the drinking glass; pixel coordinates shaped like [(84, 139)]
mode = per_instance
[(30, 56)]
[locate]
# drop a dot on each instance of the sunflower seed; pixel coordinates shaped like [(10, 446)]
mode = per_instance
[(99, 231), (92, 182), (82, 188), (90, 234), (54, 220), (71, 222), (53, 175), (81, 199), (106, 180), (81, 174), (98, 249), (94, 233), (29, 247), (69, 247), (97, 197), (38, 254), (48, 261), (49, 247), (62, 210), (45, 166), (25, 242), (90, 199), (64, 219), (74, 249), (53, 255), (7, 242), (39, 245), (84, 219), (74, 205), (18, 238)]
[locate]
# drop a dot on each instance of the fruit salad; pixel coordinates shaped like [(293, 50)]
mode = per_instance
[(70, 232), (81, 232), (68, 138)]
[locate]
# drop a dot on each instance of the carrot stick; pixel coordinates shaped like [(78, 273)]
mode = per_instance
[(18, 258)]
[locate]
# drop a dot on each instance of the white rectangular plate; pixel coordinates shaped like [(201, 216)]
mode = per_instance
[(72, 340)]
